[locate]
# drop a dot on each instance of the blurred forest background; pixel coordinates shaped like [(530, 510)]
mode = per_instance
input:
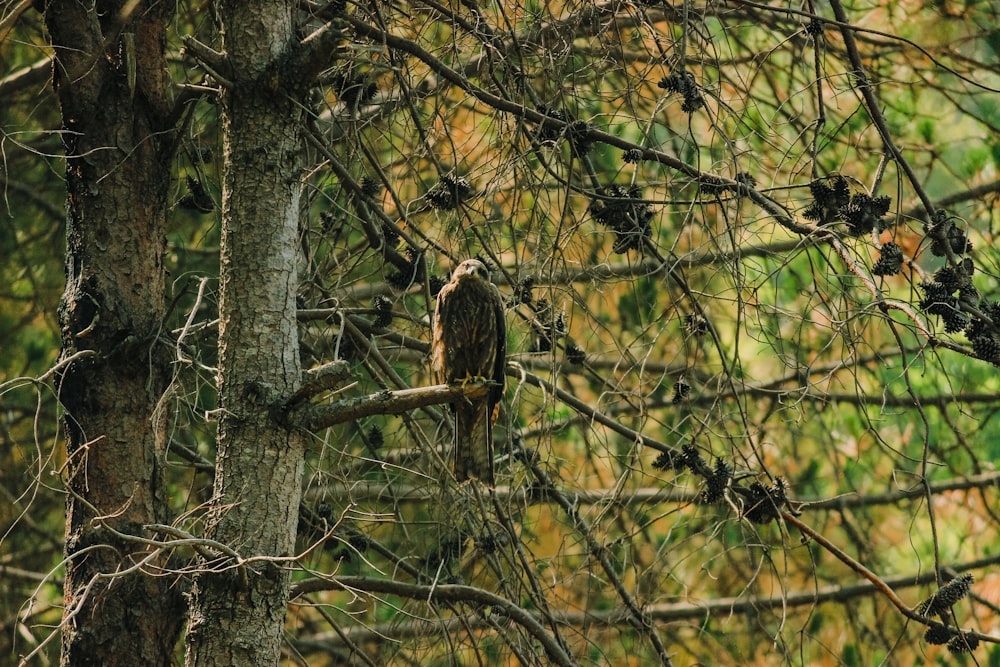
[(747, 253)]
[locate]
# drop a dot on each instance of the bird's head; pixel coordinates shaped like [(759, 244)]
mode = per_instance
[(472, 268)]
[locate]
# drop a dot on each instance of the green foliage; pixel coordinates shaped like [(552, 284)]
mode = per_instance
[(639, 305), (851, 656)]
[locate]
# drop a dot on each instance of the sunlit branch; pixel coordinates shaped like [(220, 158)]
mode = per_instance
[(29, 75), (315, 417)]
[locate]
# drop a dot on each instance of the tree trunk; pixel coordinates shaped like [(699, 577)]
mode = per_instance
[(238, 613), (114, 104)]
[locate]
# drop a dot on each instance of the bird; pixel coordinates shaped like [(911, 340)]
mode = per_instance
[(469, 342)]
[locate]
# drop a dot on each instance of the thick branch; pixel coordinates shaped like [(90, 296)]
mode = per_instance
[(215, 63), (315, 417), (317, 52), (317, 380)]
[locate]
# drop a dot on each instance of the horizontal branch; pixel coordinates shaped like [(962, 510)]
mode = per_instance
[(958, 197), (773, 388), (362, 491), (323, 378), (29, 75), (441, 593), (674, 612), (983, 481), (809, 393), (315, 417)]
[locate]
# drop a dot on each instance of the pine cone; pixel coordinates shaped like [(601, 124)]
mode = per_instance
[(937, 634), (986, 348), (963, 644), (946, 596), (890, 260)]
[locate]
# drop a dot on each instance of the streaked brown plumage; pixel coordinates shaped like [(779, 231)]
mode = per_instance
[(470, 341)]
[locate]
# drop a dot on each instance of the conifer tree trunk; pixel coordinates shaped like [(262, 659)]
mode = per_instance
[(110, 77), (238, 613)]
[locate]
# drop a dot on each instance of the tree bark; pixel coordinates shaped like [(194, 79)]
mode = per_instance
[(109, 73), (237, 614)]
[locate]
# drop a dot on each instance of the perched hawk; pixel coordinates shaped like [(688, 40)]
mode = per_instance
[(470, 342)]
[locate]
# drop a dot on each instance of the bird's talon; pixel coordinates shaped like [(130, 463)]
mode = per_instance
[(464, 382)]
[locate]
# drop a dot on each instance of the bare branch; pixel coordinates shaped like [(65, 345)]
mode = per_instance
[(315, 417), (441, 593), (29, 75)]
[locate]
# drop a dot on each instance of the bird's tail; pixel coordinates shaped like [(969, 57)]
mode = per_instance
[(474, 442)]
